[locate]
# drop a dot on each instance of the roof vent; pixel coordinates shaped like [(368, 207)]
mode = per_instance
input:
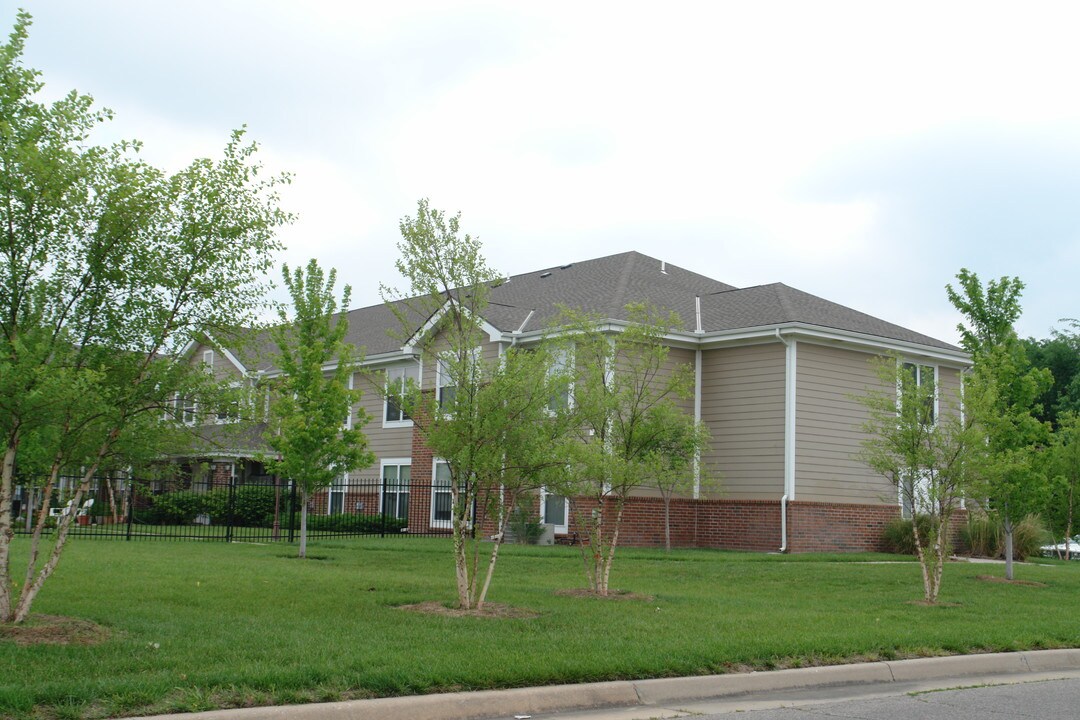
[(545, 274), (663, 266), (563, 267)]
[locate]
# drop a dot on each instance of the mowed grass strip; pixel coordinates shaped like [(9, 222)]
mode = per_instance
[(196, 626)]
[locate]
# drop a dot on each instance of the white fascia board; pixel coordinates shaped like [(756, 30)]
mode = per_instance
[(494, 333), (232, 358), (847, 338), (686, 340), (387, 358)]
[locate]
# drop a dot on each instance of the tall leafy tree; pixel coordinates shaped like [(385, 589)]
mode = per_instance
[(625, 396), (928, 457), (108, 266), (1063, 460), (490, 420), (1060, 354), (312, 429), (1002, 393)]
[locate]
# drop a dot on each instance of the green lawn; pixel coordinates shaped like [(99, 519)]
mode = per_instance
[(202, 625)]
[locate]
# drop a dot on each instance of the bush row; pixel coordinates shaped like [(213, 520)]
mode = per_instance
[(980, 536)]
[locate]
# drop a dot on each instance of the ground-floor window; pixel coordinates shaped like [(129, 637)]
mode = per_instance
[(554, 509), (441, 497), (396, 476), (336, 506)]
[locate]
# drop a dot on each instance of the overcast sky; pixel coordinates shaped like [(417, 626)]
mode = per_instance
[(863, 152)]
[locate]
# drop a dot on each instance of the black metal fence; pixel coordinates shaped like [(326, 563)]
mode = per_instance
[(254, 509)]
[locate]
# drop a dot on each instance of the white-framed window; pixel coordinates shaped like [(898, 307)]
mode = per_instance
[(925, 376), (396, 478), (555, 510), (441, 497), (397, 381), (562, 361), (186, 409), (208, 359), (230, 411), (336, 501), (914, 496), (445, 368)]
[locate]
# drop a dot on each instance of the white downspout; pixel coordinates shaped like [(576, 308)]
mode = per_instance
[(789, 434), (697, 396)]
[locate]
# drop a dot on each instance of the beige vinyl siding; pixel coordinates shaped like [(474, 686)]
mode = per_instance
[(391, 442), (681, 357), (828, 428), (742, 403), (948, 389), (223, 368)]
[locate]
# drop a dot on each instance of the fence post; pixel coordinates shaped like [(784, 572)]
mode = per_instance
[(292, 510), (380, 490), (230, 507), (131, 506)]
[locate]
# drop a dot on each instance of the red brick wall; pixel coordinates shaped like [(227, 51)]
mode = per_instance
[(747, 524)]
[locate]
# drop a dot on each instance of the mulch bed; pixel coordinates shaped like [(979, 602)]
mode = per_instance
[(612, 594), (54, 630), (1001, 579), (490, 610)]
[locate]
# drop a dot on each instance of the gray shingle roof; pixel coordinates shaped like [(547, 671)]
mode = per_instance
[(604, 286)]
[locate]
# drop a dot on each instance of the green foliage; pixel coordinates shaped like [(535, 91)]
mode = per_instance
[(1002, 394), (310, 430), (109, 265), (1060, 355), (984, 536), (926, 457), (525, 526), (1062, 463), (899, 536), (355, 523), (251, 507), (490, 419)]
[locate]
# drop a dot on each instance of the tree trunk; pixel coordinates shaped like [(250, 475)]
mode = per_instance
[(667, 522), (1069, 523), (1008, 549), (31, 591), (39, 526), (7, 533), (461, 559), (609, 560), (303, 522)]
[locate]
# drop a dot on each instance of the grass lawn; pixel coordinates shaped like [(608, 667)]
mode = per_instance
[(195, 626)]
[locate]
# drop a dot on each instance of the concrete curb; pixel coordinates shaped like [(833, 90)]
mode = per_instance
[(632, 693)]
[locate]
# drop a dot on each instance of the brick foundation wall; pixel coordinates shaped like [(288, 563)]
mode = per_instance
[(748, 524)]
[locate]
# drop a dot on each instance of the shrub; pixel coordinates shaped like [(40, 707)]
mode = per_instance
[(984, 536), (898, 538), (349, 523), (524, 528), (180, 507)]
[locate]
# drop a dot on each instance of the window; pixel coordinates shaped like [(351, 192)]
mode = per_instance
[(336, 506), (398, 380), (396, 475), (186, 409), (441, 497), (446, 368), (554, 510), (208, 359), (925, 378), (915, 496), (562, 363)]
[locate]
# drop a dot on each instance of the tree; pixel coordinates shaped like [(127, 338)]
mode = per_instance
[(108, 267), (1063, 459), (1002, 393), (624, 398), (312, 430), (1060, 354), (926, 456), (490, 420), (674, 466)]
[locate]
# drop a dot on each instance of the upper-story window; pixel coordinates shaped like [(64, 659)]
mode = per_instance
[(208, 359), (925, 378), (447, 370), (559, 372), (398, 380)]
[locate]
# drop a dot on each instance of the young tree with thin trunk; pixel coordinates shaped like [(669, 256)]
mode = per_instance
[(927, 456), (313, 430), (490, 420), (624, 398), (1063, 460), (1002, 394), (675, 463), (108, 267)]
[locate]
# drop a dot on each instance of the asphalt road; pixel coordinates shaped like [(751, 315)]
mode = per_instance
[(1049, 700)]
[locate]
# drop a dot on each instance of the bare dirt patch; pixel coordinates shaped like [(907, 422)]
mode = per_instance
[(54, 630), (1001, 579), (490, 610), (924, 603), (612, 594)]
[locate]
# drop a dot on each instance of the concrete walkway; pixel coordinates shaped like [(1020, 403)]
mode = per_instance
[(673, 697)]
